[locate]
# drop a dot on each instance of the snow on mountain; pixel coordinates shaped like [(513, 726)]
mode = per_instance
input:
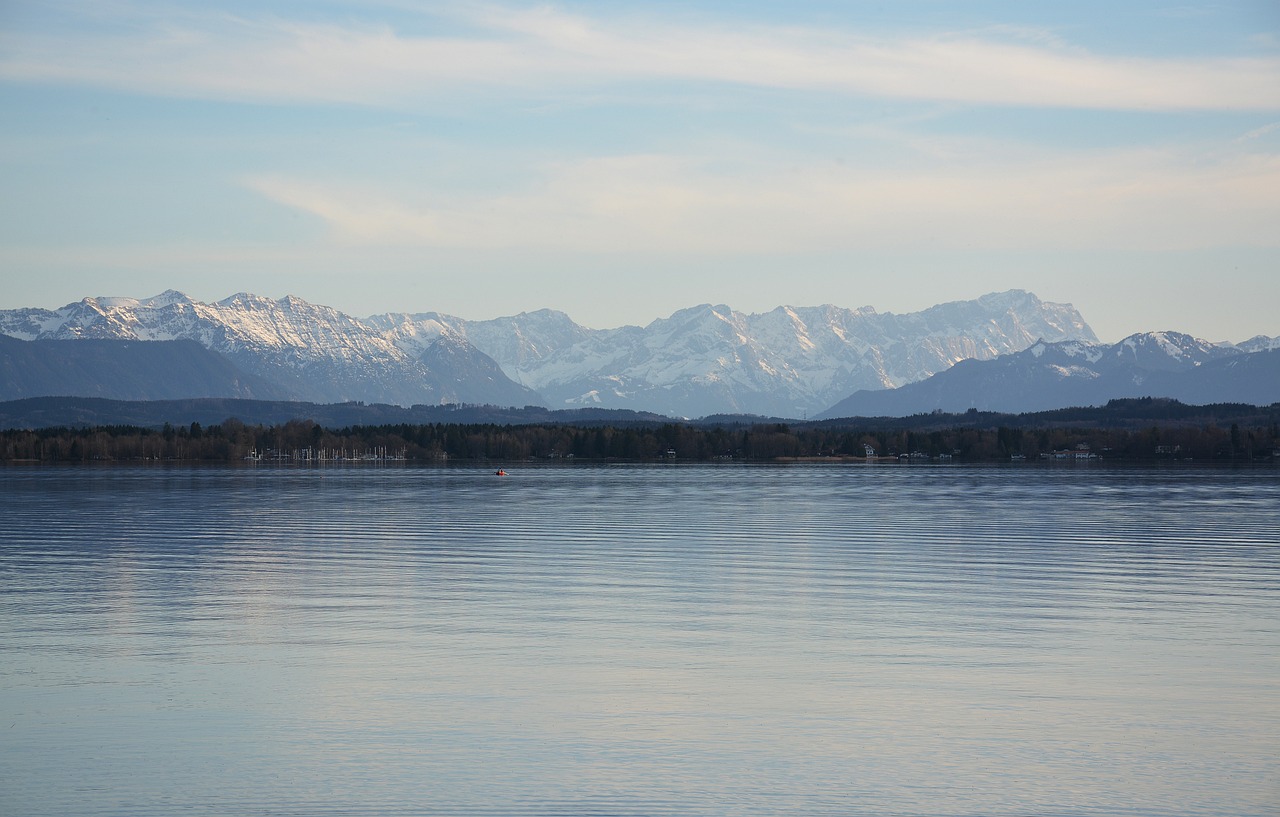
[(314, 352), (517, 342), (712, 359), (706, 359), (1259, 343), (1168, 351), (701, 360), (1071, 373)]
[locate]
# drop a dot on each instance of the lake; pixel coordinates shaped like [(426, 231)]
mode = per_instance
[(1063, 639)]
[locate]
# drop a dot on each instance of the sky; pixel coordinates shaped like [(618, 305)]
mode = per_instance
[(619, 161)]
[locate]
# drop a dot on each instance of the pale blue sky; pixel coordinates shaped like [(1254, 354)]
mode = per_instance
[(619, 161)]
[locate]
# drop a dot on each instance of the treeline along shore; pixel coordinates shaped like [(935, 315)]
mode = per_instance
[(1118, 432)]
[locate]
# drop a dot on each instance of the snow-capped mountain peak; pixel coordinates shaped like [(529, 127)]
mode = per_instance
[(791, 360), (1169, 350), (705, 359), (1259, 343), (170, 297), (316, 351)]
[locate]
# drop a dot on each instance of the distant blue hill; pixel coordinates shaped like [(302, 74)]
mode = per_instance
[(1057, 375), (123, 369)]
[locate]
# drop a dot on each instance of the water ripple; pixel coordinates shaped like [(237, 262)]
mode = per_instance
[(640, 640)]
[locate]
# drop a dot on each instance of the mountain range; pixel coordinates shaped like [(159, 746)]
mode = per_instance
[(1006, 350), (702, 360), (304, 351), (788, 362)]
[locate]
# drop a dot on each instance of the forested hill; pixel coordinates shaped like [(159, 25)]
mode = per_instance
[(1123, 431), (73, 412), (44, 412)]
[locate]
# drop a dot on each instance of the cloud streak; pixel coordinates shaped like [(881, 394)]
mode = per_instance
[(545, 51), (653, 204)]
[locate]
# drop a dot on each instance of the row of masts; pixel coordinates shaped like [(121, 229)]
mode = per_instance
[(373, 454)]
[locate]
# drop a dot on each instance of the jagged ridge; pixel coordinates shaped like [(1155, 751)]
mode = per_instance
[(704, 360), (787, 362), (309, 352)]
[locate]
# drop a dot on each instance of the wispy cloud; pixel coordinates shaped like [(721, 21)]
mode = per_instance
[(542, 50), (1258, 133), (659, 204)]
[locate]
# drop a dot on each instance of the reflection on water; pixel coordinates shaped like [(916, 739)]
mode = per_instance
[(639, 640)]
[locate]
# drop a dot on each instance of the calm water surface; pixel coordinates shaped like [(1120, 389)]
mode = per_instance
[(692, 640)]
